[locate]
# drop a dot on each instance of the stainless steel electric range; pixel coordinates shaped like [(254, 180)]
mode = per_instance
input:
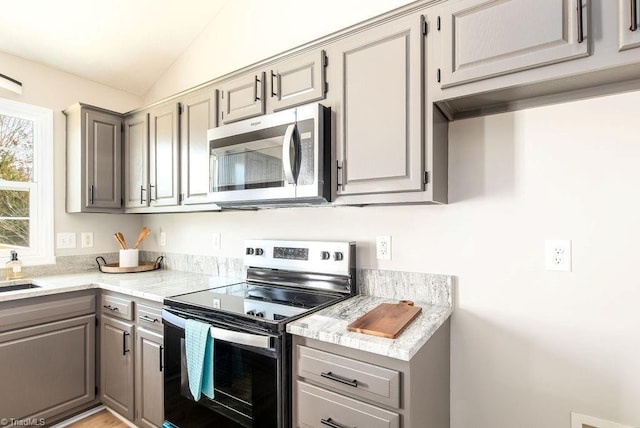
[(252, 352)]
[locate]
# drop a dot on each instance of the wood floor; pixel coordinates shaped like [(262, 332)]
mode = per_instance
[(103, 418)]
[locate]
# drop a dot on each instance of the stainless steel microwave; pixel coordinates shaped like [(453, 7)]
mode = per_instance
[(281, 158)]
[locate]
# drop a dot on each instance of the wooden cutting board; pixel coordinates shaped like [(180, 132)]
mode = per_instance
[(386, 320)]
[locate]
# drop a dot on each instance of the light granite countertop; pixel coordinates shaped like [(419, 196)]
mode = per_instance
[(153, 285), (330, 325)]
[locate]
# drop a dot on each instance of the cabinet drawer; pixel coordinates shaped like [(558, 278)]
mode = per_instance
[(149, 317), (319, 408), (351, 376), (117, 307)]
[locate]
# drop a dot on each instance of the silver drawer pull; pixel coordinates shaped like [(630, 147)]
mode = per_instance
[(329, 422), (111, 308), (340, 379), (149, 319)]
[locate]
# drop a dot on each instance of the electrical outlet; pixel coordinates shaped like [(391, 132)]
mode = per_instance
[(66, 240), (86, 239), (163, 239), (383, 247), (216, 240), (558, 255)]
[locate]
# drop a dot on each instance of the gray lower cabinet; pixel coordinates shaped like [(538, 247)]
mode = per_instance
[(117, 365), (94, 159), (131, 373), (337, 386), (47, 355), (149, 378)]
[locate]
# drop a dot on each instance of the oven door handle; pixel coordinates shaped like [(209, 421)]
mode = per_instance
[(238, 337)]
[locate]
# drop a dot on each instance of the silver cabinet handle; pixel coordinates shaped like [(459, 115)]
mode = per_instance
[(329, 422), (152, 186), (580, 23), (111, 308), (160, 354), (273, 92), (634, 16), (149, 319), (255, 89), (287, 145), (142, 190), (91, 195)]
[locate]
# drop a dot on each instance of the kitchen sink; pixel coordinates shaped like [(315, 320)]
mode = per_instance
[(17, 287)]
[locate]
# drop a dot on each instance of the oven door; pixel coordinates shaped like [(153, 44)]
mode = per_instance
[(270, 159), (248, 375)]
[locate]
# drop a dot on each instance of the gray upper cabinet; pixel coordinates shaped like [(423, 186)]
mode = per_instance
[(297, 80), (629, 24), (198, 115), (164, 158), (488, 38), (379, 110), (149, 379), (94, 159), (136, 165), (117, 364), (242, 97)]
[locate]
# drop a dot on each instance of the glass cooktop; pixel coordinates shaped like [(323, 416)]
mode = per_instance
[(260, 301)]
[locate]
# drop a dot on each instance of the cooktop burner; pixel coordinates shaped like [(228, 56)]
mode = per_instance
[(267, 302)]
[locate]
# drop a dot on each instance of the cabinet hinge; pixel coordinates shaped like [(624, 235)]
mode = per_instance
[(179, 108), (181, 197), (326, 87), (423, 22), (96, 321), (438, 24), (325, 58), (96, 390), (339, 177), (426, 177)]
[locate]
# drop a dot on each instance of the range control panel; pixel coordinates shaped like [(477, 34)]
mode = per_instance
[(304, 256)]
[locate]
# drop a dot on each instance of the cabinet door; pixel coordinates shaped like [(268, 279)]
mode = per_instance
[(163, 155), (487, 38), (242, 97), (629, 23), (297, 81), (136, 149), (149, 379), (379, 112), (198, 115), (116, 365), (104, 159), (47, 369)]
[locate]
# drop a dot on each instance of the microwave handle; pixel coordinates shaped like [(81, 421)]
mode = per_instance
[(289, 135), (238, 337)]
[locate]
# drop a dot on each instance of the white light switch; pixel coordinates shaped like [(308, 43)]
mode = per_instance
[(66, 240)]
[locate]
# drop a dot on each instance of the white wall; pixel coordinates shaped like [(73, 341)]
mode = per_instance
[(528, 346), (54, 89)]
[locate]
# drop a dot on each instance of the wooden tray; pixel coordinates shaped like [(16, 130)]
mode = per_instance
[(386, 320), (115, 267)]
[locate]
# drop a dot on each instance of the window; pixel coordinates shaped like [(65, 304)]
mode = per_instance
[(26, 182)]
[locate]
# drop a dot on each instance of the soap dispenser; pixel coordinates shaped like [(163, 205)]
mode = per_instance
[(14, 267)]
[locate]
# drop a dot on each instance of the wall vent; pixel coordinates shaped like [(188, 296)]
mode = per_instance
[(584, 421)]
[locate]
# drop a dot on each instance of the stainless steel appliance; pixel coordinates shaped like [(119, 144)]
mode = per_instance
[(252, 351), (279, 158)]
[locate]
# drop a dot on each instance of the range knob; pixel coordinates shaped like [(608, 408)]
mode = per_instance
[(260, 314), (325, 255), (259, 251), (251, 312), (337, 256), (249, 251)]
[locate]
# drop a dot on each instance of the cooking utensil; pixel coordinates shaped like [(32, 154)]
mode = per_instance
[(386, 320), (143, 234), (120, 238)]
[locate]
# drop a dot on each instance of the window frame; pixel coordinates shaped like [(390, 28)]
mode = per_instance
[(41, 202)]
